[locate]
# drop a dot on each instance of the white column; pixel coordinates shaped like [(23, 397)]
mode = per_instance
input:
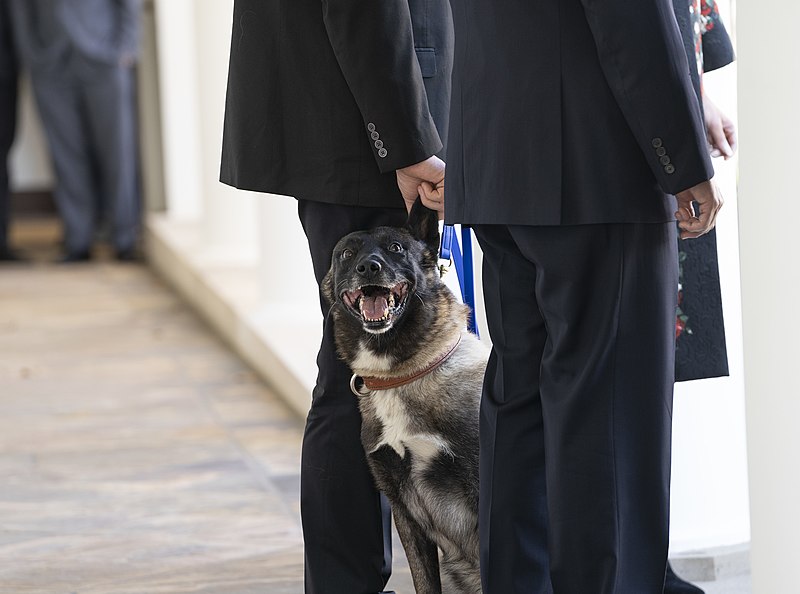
[(177, 64), (285, 273), (229, 218), (148, 103), (769, 214), (193, 45)]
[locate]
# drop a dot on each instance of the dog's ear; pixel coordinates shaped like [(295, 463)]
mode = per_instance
[(327, 287), (423, 223)]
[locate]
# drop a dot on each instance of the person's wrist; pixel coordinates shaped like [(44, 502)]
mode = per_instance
[(429, 169)]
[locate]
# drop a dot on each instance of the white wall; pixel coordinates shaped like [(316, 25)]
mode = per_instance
[(769, 211)]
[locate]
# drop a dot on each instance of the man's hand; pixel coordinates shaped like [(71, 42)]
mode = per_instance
[(426, 180), (720, 129), (709, 199)]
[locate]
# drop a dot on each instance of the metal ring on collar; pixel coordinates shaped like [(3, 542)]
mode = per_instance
[(355, 389)]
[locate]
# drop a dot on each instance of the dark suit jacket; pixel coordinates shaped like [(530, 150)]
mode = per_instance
[(327, 98), (48, 32), (570, 112)]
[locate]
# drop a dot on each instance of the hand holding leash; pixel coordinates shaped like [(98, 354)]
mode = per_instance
[(412, 179), (432, 196)]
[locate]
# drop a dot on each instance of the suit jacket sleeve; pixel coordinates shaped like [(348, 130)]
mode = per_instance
[(374, 45), (645, 64)]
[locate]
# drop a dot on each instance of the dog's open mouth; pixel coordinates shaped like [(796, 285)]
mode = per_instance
[(377, 306)]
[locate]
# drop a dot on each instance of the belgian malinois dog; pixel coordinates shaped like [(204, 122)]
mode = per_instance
[(418, 376)]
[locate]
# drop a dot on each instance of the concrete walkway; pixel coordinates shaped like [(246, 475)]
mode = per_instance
[(137, 455)]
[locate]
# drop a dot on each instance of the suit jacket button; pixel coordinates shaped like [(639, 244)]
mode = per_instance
[(670, 169), (661, 151), (382, 153), (371, 127), (657, 143), (375, 136), (665, 160), (378, 144)]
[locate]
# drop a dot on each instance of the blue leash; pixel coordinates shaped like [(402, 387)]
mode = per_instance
[(451, 251)]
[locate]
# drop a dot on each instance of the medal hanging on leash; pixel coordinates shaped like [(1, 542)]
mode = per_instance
[(450, 251)]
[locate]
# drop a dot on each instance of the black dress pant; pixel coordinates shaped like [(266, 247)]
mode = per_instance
[(346, 522), (576, 409)]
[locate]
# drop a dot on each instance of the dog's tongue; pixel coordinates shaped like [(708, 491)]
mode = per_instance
[(374, 308)]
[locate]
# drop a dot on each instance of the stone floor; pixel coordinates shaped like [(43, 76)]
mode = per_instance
[(138, 455)]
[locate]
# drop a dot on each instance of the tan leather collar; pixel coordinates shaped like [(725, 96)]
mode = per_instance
[(370, 384)]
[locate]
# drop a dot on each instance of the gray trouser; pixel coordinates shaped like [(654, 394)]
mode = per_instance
[(8, 118), (88, 115)]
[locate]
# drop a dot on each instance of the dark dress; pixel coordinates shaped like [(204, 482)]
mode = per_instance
[(699, 326)]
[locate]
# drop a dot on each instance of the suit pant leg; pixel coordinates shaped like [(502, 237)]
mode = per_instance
[(61, 108), (512, 502), (595, 402), (109, 96), (346, 522)]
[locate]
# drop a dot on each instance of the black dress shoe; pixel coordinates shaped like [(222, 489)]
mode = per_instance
[(74, 257), (675, 585), (129, 255)]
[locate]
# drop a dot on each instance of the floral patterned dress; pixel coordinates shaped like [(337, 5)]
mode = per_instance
[(699, 326)]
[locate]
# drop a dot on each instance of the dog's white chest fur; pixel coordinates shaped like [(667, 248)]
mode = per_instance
[(366, 359), (397, 433)]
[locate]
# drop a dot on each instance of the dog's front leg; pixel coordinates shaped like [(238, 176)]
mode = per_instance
[(421, 551)]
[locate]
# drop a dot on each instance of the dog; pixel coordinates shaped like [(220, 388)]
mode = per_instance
[(417, 375)]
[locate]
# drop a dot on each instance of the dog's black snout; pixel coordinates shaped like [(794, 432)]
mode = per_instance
[(368, 267)]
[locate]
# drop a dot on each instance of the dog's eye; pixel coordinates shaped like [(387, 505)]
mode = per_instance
[(347, 253), (396, 248)]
